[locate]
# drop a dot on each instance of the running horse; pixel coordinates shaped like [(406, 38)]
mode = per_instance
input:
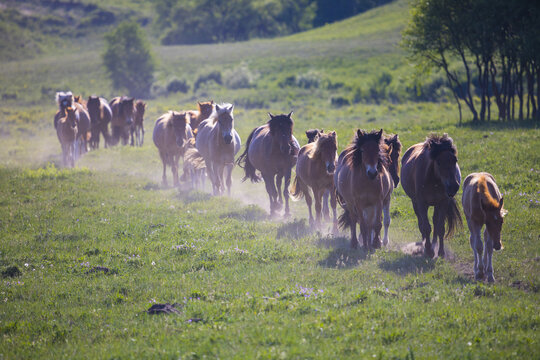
[(100, 117), (430, 176), (137, 127), (362, 184), (218, 143), (122, 117), (392, 147), (272, 149), (204, 111)]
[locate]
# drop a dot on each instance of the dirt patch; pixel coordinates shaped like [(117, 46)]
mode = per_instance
[(11, 271)]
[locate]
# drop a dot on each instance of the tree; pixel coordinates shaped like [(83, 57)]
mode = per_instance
[(129, 60)]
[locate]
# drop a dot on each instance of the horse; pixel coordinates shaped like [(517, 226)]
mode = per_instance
[(392, 147), (430, 176), (315, 169), (483, 205), (171, 132), (362, 184), (122, 117), (204, 111), (194, 165), (67, 132), (312, 135), (218, 142), (137, 127), (100, 116), (66, 99), (273, 150)]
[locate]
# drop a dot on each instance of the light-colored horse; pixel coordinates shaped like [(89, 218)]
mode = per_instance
[(67, 131), (483, 205), (315, 169), (272, 149), (218, 143), (194, 165), (171, 132), (65, 99)]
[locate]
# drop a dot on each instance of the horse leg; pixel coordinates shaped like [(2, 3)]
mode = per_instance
[(132, 135), (142, 136), (333, 203), (286, 192), (219, 169), (354, 240), (307, 196), (438, 226), (271, 190), (279, 179), (476, 244), (365, 231), (488, 255), (228, 174), (387, 220), (421, 211), (164, 161), (377, 226), (174, 169), (317, 194), (325, 209)]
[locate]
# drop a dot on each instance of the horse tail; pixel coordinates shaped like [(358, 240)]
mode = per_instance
[(243, 162), (298, 189), (344, 220), (453, 217), (339, 198)]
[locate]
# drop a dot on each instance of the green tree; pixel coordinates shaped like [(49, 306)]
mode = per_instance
[(129, 60)]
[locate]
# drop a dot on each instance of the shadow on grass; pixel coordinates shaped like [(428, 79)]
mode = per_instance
[(501, 125), (344, 257), (247, 213), (406, 264), (295, 229)]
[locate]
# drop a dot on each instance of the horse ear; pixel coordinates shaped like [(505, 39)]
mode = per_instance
[(218, 108), (379, 134), (360, 133), (199, 103), (271, 116), (501, 203), (333, 134), (212, 102), (231, 108), (289, 116)]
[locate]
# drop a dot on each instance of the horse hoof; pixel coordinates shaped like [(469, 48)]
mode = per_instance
[(490, 279), (479, 277), (429, 252), (376, 244), (441, 254)]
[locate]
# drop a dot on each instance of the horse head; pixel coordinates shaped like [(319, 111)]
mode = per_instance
[(71, 116), (93, 105), (179, 121), (64, 99), (140, 107), (393, 149), (443, 153), (126, 109), (494, 216), (313, 134), (225, 121), (281, 128), (205, 109), (366, 151), (326, 149)]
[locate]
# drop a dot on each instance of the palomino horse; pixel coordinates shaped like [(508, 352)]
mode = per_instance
[(137, 127), (272, 149), (194, 165), (430, 176), (100, 117), (171, 132), (315, 169), (483, 204), (122, 118), (66, 130), (362, 185), (218, 143), (392, 147), (66, 99), (204, 111)]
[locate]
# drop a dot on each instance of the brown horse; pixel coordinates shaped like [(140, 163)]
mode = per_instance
[(100, 117), (272, 149), (67, 131), (137, 127), (122, 118), (218, 143), (66, 99), (362, 185), (194, 165), (171, 132), (315, 169), (204, 111), (483, 204), (312, 135), (430, 176), (392, 147)]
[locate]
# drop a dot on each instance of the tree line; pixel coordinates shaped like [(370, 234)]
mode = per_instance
[(496, 44), (210, 21)]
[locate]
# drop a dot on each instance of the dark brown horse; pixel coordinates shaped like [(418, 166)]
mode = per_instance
[(362, 185), (198, 116), (272, 149), (392, 147), (122, 117), (430, 176), (137, 127), (100, 117), (67, 132), (315, 169)]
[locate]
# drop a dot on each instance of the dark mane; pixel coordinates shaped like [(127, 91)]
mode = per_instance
[(437, 144), (394, 140), (353, 152), (312, 134), (279, 122), (326, 142)]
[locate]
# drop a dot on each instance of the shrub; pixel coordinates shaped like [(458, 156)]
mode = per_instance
[(239, 78), (214, 76), (177, 85), (309, 80), (339, 101)]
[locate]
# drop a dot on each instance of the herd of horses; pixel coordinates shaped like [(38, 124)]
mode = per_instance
[(361, 179)]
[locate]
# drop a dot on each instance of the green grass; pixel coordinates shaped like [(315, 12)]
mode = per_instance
[(262, 288)]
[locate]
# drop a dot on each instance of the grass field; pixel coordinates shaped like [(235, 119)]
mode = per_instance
[(248, 286)]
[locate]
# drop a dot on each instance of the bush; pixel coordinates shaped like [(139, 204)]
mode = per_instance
[(339, 101), (309, 80), (239, 78), (176, 85), (214, 76)]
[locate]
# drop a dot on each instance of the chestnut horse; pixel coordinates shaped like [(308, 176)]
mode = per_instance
[(315, 169), (362, 185), (312, 135), (218, 143), (137, 127), (272, 149), (171, 132), (122, 118), (483, 205), (392, 147), (66, 99), (204, 111), (67, 131), (100, 116), (430, 176)]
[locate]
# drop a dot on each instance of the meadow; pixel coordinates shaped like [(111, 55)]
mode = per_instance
[(245, 285)]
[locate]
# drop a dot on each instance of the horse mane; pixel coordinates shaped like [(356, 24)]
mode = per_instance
[(322, 142), (223, 108), (394, 141), (169, 117), (437, 144), (280, 121), (353, 152), (140, 105), (63, 94), (485, 195), (312, 134)]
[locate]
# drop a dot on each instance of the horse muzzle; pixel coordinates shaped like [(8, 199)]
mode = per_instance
[(180, 142), (451, 189), (372, 173), (228, 139), (330, 168), (497, 245)]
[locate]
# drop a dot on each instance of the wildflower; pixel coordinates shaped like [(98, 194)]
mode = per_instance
[(26, 264), (153, 263)]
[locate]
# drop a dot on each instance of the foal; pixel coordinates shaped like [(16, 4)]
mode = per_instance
[(483, 204), (67, 131)]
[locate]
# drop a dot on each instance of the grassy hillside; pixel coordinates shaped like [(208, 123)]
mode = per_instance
[(248, 286)]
